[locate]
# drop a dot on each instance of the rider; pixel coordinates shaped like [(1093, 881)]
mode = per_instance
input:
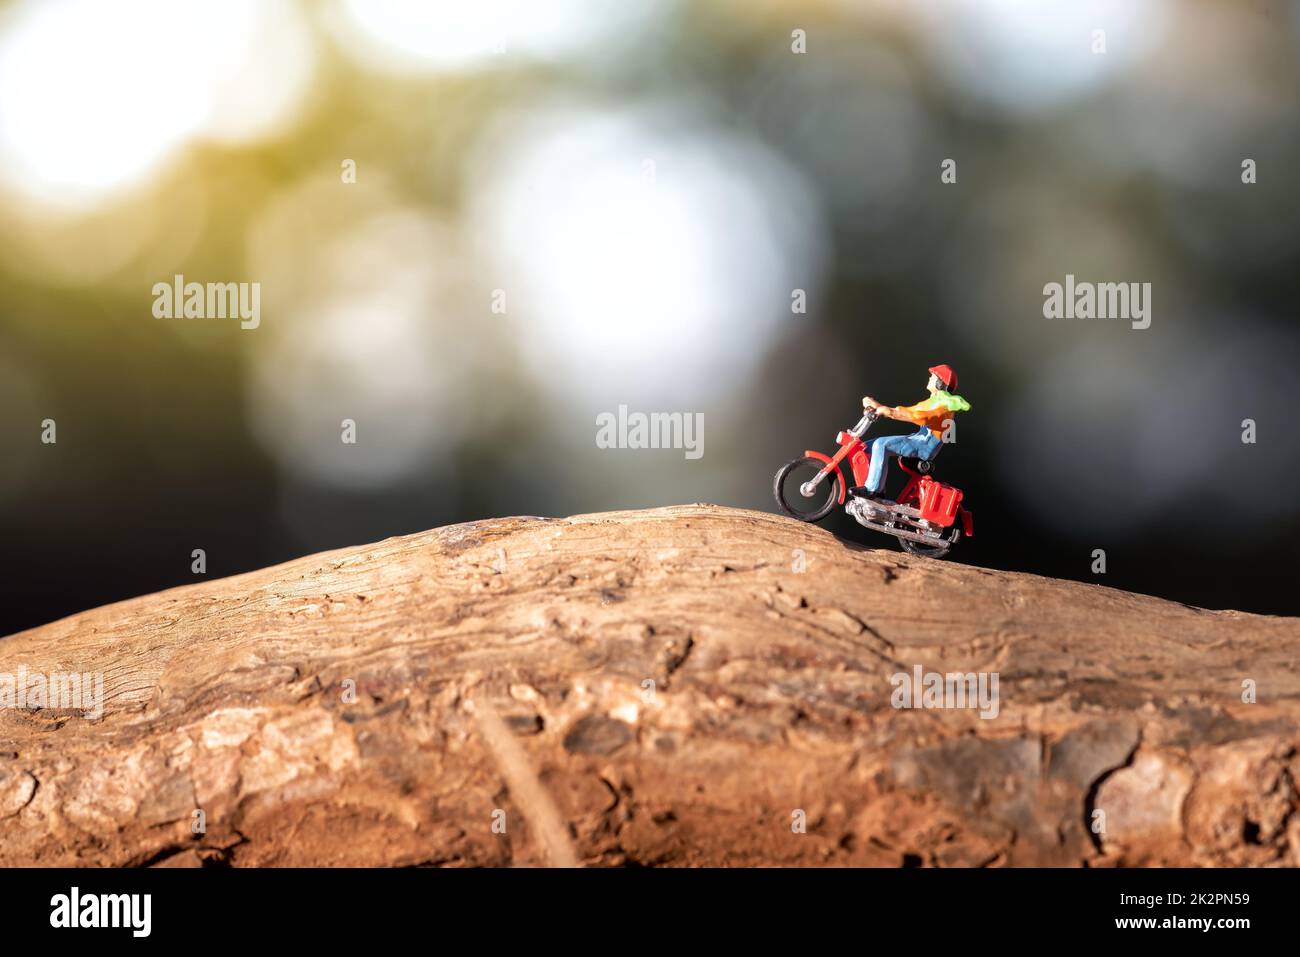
[(925, 442)]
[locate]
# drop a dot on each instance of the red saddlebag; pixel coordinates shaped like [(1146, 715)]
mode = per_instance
[(939, 502)]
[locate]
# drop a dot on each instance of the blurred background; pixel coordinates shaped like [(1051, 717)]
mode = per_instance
[(478, 225)]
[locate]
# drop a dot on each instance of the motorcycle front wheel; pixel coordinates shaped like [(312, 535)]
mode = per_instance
[(793, 502)]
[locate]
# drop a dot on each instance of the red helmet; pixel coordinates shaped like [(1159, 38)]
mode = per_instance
[(946, 376)]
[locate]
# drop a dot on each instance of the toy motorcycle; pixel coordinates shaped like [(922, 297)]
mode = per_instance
[(927, 519)]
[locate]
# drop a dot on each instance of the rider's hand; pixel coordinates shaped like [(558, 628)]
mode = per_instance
[(868, 402)]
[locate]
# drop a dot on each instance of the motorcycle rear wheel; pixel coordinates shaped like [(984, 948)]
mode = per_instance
[(930, 551), (785, 498)]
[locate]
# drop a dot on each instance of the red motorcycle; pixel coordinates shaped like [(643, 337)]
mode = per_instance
[(927, 519)]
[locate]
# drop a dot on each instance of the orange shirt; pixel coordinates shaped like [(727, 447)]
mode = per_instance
[(933, 412)]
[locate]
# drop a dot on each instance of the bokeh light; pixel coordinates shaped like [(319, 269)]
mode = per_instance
[(635, 243), (95, 97), (371, 340), (395, 35), (1026, 56)]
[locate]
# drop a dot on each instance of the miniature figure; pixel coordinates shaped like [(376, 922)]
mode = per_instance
[(930, 414), (924, 518)]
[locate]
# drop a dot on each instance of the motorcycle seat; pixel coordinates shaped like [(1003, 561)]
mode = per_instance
[(924, 466)]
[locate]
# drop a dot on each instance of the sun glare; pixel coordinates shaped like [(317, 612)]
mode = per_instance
[(95, 97)]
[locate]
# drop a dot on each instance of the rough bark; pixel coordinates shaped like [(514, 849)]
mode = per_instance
[(682, 694)]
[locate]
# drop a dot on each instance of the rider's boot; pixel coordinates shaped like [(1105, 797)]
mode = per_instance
[(861, 491)]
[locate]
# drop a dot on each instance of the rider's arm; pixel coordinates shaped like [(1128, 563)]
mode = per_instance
[(918, 414)]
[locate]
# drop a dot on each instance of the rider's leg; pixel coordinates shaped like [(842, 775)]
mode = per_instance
[(927, 445), (881, 449)]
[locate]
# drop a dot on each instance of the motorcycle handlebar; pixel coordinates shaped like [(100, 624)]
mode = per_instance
[(863, 423)]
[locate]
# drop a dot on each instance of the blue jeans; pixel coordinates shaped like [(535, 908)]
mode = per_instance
[(921, 444)]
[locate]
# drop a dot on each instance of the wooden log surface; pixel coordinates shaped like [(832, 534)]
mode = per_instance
[(675, 686)]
